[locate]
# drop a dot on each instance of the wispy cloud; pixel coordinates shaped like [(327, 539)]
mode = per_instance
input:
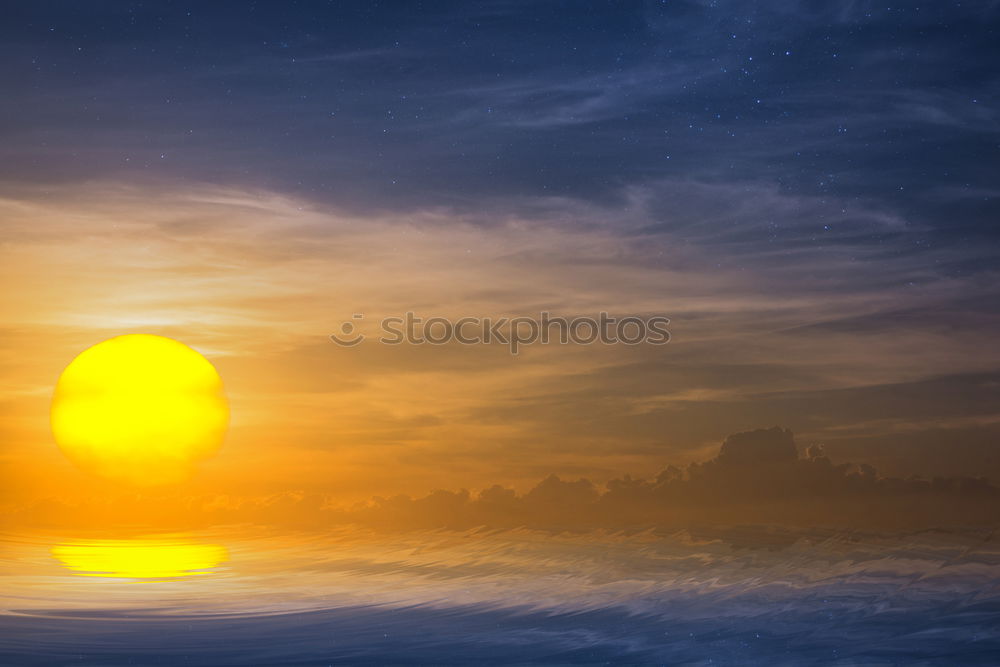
[(764, 320)]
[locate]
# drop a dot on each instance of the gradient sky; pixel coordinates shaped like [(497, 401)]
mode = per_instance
[(808, 190)]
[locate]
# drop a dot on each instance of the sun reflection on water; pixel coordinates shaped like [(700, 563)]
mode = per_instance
[(142, 558)]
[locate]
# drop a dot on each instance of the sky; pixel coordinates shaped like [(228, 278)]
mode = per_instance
[(807, 190)]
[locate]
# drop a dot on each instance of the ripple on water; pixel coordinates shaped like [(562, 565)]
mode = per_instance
[(233, 595)]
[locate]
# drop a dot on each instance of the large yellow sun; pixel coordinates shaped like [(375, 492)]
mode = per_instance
[(139, 408)]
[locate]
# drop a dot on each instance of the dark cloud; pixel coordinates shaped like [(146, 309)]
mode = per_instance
[(511, 98), (758, 478), (761, 447)]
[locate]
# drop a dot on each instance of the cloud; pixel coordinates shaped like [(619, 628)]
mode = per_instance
[(753, 448), (407, 113), (757, 478), (766, 327)]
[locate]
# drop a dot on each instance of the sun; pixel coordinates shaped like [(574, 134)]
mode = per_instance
[(139, 408)]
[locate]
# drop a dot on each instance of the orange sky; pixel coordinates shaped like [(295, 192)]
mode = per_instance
[(256, 281)]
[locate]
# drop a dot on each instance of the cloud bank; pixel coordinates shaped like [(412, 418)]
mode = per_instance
[(758, 477)]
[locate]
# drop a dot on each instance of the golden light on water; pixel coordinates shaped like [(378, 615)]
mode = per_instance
[(147, 558), (140, 409)]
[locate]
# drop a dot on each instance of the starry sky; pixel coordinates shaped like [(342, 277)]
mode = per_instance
[(808, 190)]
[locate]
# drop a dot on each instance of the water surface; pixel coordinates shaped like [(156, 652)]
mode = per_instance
[(250, 596)]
